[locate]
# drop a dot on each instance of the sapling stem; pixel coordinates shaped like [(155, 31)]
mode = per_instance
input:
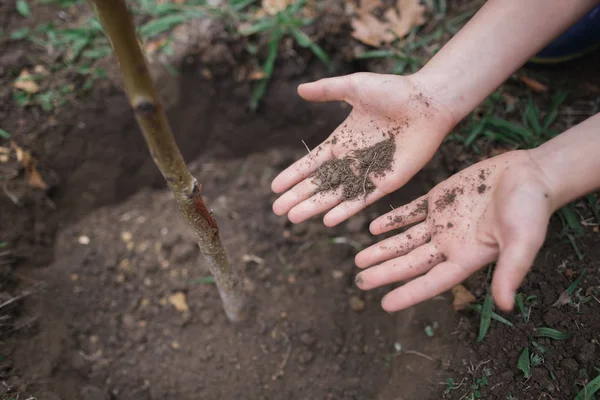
[(119, 27)]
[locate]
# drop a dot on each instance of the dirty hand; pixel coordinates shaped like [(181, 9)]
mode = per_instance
[(497, 209), (393, 130)]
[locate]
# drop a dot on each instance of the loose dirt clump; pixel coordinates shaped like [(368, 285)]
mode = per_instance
[(448, 198), (351, 172)]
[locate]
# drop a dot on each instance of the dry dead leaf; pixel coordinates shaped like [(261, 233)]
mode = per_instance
[(533, 84), (371, 31), (4, 154), (256, 75), (462, 297), (41, 70), (366, 6), (273, 7), (25, 82), (563, 299), (408, 13), (399, 20), (32, 176), (154, 45), (179, 301)]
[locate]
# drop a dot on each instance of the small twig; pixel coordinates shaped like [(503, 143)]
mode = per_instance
[(283, 363), (14, 299), (11, 196), (367, 176), (418, 353)]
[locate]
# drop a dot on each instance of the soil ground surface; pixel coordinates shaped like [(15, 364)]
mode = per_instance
[(104, 295)]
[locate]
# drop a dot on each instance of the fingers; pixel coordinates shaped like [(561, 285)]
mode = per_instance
[(441, 278), (293, 197), (415, 263), (302, 168), (408, 214), (395, 246), (315, 205), (330, 89), (349, 208), (512, 266)]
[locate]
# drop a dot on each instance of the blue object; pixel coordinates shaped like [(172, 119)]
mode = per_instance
[(580, 39)]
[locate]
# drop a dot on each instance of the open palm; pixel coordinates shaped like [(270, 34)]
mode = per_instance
[(395, 127), (497, 209)]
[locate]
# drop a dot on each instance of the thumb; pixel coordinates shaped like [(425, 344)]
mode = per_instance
[(513, 264), (329, 89)]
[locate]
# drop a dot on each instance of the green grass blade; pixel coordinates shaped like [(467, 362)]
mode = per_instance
[(261, 88), (551, 333), (532, 117), (260, 26), (4, 134), (376, 54), (485, 317), (23, 8), (168, 22), (520, 304), (571, 220), (557, 99), (204, 279), (305, 41), (510, 127), (524, 364), (573, 285), (588, 392), (400, 67), (495, 317), (239, 5), (20, 34), (593, 201), (477, 129)]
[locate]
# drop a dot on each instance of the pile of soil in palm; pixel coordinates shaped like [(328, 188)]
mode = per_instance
[(351, 172)]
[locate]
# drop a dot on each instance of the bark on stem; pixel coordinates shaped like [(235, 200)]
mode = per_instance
[(119, 27)]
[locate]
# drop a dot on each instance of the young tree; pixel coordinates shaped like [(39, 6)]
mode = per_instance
[(119, 27)]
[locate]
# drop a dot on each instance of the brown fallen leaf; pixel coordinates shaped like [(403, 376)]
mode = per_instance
[(154, 45), (179, 301), (563, 299), (408, 14), (25, 82), (41, 70), (462, 297), (371, 31), (256, 75), (32, 176), (399, 20), (533, 84), (273, 7), (4, 154)]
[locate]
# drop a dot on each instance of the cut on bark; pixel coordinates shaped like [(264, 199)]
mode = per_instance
[(118, 25)]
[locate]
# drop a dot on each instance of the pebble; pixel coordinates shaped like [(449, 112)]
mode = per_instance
[(356, 303), (305, 356), (307, 338), (83, 240)]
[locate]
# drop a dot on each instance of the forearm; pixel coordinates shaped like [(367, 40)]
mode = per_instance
[(498, 40), (570, 162)]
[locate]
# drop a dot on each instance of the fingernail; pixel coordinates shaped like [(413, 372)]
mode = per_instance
[(358, 280)]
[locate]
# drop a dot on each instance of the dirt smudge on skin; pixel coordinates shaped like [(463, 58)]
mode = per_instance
[(448, 198)]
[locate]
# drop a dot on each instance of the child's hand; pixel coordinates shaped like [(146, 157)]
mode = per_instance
[(383, 105), (497, 209)]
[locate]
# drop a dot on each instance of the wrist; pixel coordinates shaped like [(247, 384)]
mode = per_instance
[(447, 115)]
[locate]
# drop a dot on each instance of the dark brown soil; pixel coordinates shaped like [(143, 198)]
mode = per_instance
[(94, 269), (352, 172)]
